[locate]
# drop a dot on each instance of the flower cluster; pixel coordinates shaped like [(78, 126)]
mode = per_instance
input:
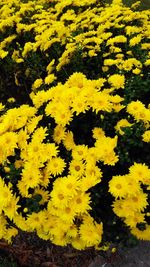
[(82, 68), (39, 164), (44, 41), (131, 200)]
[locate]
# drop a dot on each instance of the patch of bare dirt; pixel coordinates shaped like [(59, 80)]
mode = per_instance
[(29, 251)]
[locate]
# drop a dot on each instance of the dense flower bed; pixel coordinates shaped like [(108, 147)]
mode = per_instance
[(74, 157)]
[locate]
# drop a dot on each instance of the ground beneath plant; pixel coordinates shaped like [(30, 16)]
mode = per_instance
[(27, 250)]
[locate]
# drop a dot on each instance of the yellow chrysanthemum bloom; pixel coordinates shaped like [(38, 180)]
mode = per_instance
[(56, 166), (123, 123), (141, 172), (43, 193), (79, 152), (136, 71), (132, 221), (118, 186), (90, 231), (37, 83), (1, 107), (135, 40), (77, 168), (10, 232), (146, 136), (117, 81), (142, 234), (98, 133), (139, 111), (50, 78)]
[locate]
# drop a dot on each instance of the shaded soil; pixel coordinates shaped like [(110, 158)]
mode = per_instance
[(28, 250)]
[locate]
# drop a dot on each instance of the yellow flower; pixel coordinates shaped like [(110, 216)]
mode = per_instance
[(8, 143), (132, 30), (45, 177), (138, 202), (118, 107), (109, 62), (145, 46), (16, 57), (141, 234), (79, 152), (1, 107), (136, 5), (113, 250), (58, 197), (101, 102), (56, 166), (50, 66), (69, 141), (23, 188), (78, 243), (35, 220), (11, 208), (72, 232), (32, 123), (51, 150), (10, 232), (133, 185), (35, 152), (98, 133), (77, 168), (92, 177), (3, 54), (121, 125), (118, 208), (50, 78), (141, 172), (135, 40), (117, 39), (27, 48), (11, 100), (43, 193), (105, 69), (147, 62), (136, 71), (132, 221), (22, 139), (92, 155), (31, 177), (7, 169), (119, 56), (139, 111), (81, 202), (105, 150), (58, 234), (21, 222), (6, 194), (79, 105), (90, 231), (92, 53), (76, 79), (3, 224), (67, 214), (40, 133), (110, 158), (59, 134), (118, 186), (37, 83), (146, 136), (117, 81), (61, 113)]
